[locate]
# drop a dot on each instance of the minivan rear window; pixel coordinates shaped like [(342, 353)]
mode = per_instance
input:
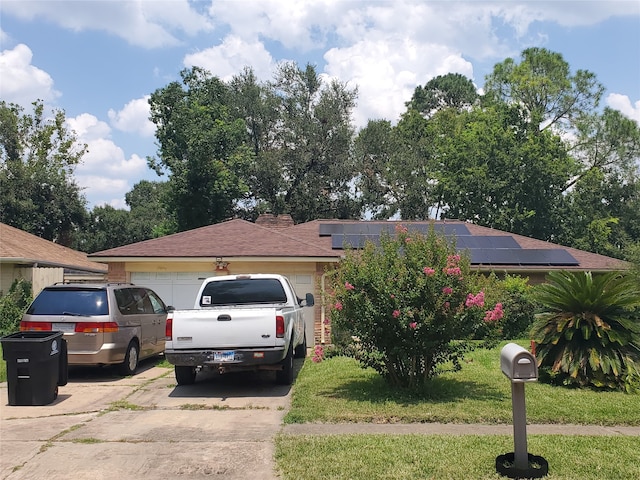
[(243, 292), (71, 301)]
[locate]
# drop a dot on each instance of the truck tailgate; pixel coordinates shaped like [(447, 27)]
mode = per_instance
[(225, 328)]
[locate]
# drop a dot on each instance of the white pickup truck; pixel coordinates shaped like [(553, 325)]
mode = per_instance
[(239, 322)]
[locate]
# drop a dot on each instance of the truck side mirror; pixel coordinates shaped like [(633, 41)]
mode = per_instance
[(309, 300)]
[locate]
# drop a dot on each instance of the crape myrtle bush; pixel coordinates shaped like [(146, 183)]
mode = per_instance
[(411, 306)]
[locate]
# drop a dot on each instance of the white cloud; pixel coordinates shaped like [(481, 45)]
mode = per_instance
[(145, 23), (624, 105), (229, 58), (105, 173), (23, 83), (387, 72), (134, 117)]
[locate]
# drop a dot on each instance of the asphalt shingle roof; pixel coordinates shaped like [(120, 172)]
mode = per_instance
[(18, 246), (240, 238)]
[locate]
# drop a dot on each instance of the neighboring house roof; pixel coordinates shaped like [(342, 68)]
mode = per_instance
[(22, 248), (311, 240)]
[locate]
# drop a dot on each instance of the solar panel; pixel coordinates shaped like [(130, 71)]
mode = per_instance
[(340, 240), (376, 228), (520, 256), (485, 241), (327, 229)]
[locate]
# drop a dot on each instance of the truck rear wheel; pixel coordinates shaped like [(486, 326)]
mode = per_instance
[(285, 376), (185, 375)]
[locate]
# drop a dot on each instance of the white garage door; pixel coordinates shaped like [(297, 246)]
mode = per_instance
[(177, 289)]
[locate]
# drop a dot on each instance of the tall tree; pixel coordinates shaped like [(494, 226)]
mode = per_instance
[(37, 160), (544, 86), (452, 90), (312, 145), (202, 147)]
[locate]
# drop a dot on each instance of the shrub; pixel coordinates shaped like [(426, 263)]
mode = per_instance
[(13, 305), (412, 304), (589, 334)]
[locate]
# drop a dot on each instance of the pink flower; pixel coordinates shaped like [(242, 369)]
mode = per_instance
[(453, 260), (447, 290), (407, 240), (348, 286), (494, 315), (447, 305), (338, 306), (428, 271), (396, 313), (413, 325), (454, 271), (475, 300), (401, 229), (393, 296)]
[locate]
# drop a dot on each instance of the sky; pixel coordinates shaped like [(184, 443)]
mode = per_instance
[(99, 61)]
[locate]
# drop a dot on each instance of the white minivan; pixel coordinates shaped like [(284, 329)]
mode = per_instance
[(103, 324)]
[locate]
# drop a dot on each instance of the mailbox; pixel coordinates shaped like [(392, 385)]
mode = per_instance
[(518, 364)]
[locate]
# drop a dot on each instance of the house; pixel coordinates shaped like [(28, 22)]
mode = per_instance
[(41, 262), (175, 265)]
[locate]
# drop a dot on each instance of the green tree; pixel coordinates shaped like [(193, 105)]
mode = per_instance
[(543, 85), (150, 217), (452, 90), (312, 146), (410, 302), (37, 161), (202, 147), (589, 332)]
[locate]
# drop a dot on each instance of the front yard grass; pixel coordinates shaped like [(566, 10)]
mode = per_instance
[(337, 390)]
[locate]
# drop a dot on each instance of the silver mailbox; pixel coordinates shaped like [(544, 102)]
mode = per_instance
[(518, 364)]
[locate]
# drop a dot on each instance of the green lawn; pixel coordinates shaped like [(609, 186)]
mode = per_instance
[(338, 390)]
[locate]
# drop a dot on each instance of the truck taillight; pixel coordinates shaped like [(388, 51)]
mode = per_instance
[(279, 326), (96, 327), (39, 326), (168, 328)]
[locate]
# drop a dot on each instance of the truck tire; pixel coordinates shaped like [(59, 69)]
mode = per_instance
[(185, 375), (301, 350), (285, 376), (131, 358)]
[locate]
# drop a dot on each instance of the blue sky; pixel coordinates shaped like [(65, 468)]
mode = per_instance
[(99, 60)]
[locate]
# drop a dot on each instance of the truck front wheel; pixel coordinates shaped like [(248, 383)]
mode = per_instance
[(185, 375), (301, 350), (285, 376)]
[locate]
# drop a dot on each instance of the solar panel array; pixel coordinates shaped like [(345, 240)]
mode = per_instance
[(483, 249)]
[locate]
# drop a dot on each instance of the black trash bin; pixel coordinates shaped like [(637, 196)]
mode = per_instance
[(36, 366)]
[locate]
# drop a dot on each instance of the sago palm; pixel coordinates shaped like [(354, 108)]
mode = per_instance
[(590, 331)]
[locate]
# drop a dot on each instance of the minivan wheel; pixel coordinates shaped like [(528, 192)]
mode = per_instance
[(130, 364), (185, 375)]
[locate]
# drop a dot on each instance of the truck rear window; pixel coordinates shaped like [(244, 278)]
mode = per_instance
[(243, 292), (72, 301)]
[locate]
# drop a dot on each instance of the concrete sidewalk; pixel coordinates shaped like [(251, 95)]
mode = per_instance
[(452, 429)]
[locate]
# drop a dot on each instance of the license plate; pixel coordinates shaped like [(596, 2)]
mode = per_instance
[(63, 327), (227, 356)]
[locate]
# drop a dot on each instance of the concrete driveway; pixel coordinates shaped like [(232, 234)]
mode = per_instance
[(103, 426)]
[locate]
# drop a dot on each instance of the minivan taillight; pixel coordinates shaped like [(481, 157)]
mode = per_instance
[(279, 326), (40, 326), (96, 327), (168, 328)]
